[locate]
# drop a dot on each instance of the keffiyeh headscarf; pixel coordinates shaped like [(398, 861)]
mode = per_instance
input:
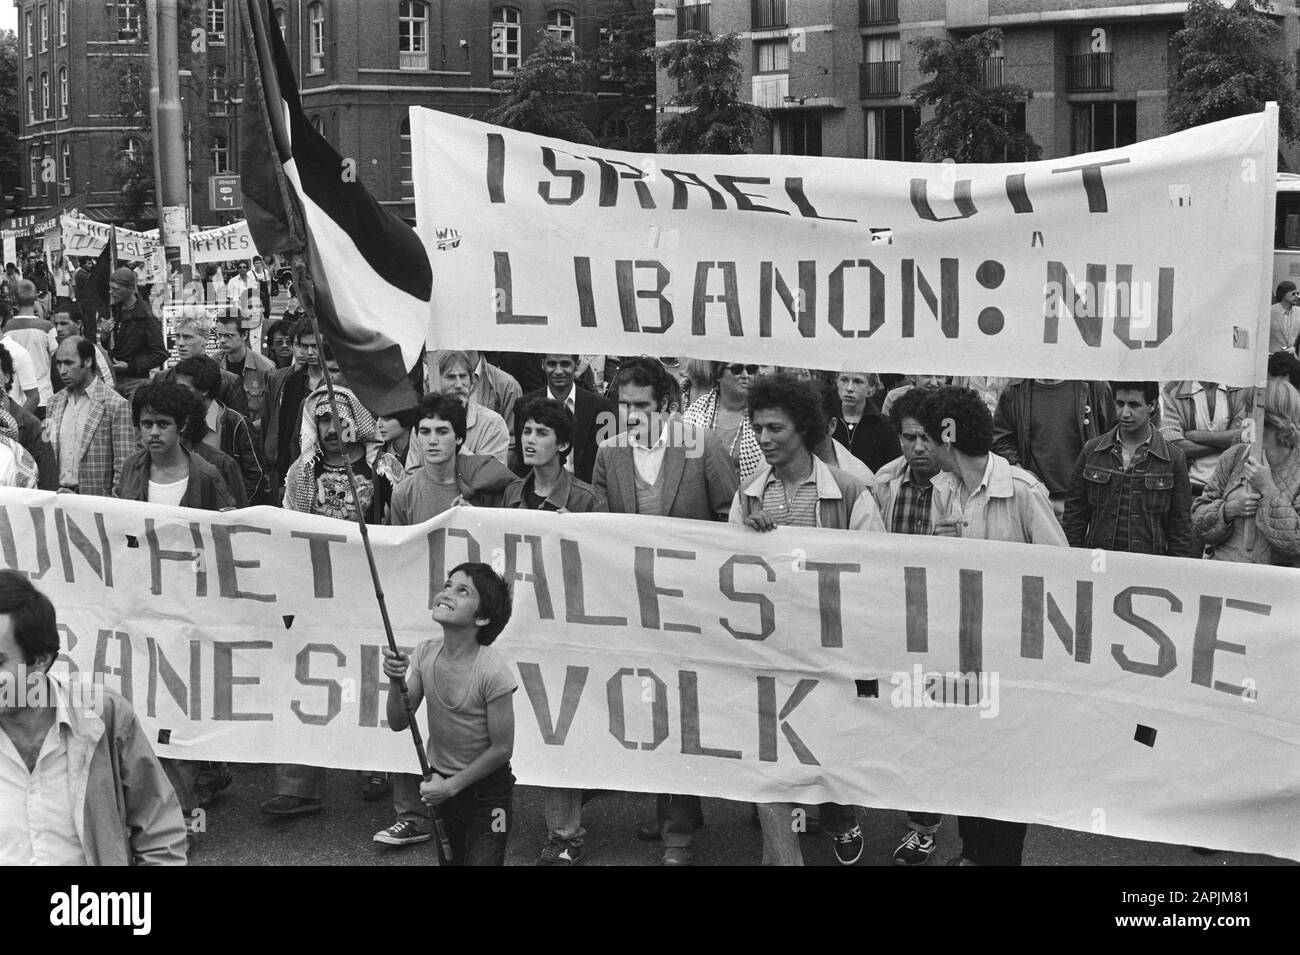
[(17, 466)]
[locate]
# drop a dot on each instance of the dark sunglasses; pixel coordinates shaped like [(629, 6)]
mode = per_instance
[(737, 369)]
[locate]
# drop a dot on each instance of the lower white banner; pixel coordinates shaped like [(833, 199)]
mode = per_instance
[(1148, 698)]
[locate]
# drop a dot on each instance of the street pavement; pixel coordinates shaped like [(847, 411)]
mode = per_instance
[(238, 834)]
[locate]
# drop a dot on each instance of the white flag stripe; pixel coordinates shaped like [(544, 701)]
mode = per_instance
[(362, 297)]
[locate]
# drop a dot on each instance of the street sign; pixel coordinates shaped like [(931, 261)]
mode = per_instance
[(224, 194)]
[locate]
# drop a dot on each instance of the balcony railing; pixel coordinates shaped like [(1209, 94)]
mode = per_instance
[(767, 14), (770, 90), (413, 61), (695, 17), (991, 72), (1088, 71), (878, 79), (872, 12)]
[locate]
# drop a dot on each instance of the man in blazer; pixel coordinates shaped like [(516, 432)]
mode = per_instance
[(662, 466), (89, 424), (593, 416)]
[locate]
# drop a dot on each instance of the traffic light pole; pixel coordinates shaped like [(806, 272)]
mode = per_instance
[(168, 135)]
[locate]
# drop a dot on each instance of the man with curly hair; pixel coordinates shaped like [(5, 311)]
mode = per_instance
[(982, 495), (795, 488)]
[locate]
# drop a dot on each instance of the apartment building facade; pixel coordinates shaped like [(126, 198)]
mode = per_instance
[(837, 73), (84, 76)]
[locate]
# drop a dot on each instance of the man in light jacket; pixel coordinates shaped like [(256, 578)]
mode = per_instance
[(79, 783)]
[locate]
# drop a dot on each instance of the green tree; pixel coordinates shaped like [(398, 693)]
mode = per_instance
[(1226, 67), (972, 120), (714, 118), (545, 95), (9, 106), (626, 56)]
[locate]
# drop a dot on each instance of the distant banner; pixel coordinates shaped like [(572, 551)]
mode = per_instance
[(1148, 698), (223, 243), (87, 237), (1081, 266)]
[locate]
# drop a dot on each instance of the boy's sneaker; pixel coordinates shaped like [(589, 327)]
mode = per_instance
[(915, 849), (403, 833), (560, 852), (848, 847)]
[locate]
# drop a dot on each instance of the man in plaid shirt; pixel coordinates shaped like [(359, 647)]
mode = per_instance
[(904, 493), (89, 424)]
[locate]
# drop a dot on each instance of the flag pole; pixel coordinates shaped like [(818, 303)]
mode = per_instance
[(308, 302), (1262, 330)]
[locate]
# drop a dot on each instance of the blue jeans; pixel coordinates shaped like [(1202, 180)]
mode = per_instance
[(563, 811), (478, 820), (926, 823), (781, 828)]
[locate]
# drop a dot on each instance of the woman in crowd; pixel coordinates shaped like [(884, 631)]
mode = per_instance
[(398, 453), (722, 410), (1259, 486)]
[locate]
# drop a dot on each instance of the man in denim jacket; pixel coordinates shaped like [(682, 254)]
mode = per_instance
[(1130, 490)]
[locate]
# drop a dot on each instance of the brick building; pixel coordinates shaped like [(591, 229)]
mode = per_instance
[(362, 63), (837, 72), (359, 64), (84, 68)]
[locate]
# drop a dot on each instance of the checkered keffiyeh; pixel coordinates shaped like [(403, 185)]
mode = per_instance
[(17, 466)]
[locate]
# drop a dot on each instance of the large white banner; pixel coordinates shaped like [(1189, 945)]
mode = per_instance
[(222, 244), (87, 237), (1146, 262), (1150, 698)]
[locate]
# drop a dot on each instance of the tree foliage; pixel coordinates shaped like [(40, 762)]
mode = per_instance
[(972, 121), (625, 56), (9, 106), (1226, 67), (546, 94), (714, 119)]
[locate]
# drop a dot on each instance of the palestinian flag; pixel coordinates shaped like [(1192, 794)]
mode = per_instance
[(370, 281)]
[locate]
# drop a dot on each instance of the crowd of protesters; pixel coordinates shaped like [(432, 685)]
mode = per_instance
[(1132, 466)]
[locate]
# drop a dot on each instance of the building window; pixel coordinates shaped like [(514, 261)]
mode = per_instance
[(128, 20), (29, 36), (45, 95), (797, 134), (45, 28), (216, 91), (31, 100), (1089, 64), (404, 160), (63, 22), (505, 40), (693, 15), (766, 14), (882, 55), (1096, 126), (132, 150), (559, 24), (282, 21), (771, 56), (891, 133), (63, 92), (316, 36), (216, 21), (412, 36), (220, 155), (34, 171), (871, 12), (65, 168)]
